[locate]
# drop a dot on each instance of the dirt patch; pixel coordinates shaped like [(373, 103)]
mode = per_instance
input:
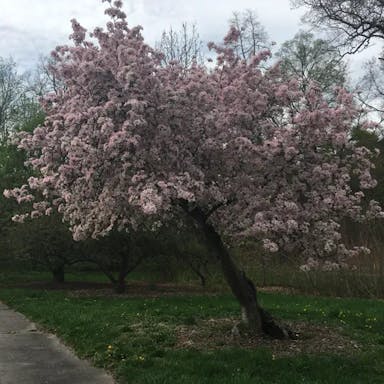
[(135, 289), (146, 290), (67, 286), (279, 289), (219, 333)]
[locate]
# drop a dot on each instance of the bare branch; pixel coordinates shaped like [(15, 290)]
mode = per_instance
[(356, 22), (252, 35), (183, 46)]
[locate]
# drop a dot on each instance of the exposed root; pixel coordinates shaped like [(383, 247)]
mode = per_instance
[(272, 327)]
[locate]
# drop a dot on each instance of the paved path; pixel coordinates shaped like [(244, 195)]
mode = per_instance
[(28, 356)]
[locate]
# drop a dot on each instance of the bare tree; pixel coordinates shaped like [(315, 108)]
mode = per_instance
[(183, 46), (12, 96), (20, 93), (252, 35), (369, 90), (42, 79), (356, 22)]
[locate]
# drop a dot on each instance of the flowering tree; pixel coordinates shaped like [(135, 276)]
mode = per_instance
[(238, 149)]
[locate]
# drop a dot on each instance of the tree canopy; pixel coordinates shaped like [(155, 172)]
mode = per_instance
[(311, 59)]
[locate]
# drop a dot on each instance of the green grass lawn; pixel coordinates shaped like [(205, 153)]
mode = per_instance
[(138, 338)]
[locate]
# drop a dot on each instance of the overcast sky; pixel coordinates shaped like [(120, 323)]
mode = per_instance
[(29, 28)]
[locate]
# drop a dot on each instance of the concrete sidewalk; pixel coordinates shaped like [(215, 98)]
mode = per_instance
[(28, 356)]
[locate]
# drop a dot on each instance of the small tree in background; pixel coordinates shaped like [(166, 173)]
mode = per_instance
[(118, 254), (370, 90), (311, 59), (46, 243), (181, 242), (13, 172), (252, 36), (16, 104), (42, 80), (183, 46)]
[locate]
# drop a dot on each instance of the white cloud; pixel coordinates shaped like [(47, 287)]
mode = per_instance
[(30, 28)]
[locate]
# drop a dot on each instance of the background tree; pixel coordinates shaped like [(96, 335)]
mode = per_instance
[(218, 146), (16, 106), (183, 46), (182, 242), (118, 254), (13, 171), (46, 243), (354, 24), (252, 35), (309, 59), (41, 80), (357, 22), (369, 91)]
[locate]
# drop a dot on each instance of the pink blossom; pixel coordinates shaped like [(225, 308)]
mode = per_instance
[(7, 193), (78, 34), (232, 35), (270, 246)]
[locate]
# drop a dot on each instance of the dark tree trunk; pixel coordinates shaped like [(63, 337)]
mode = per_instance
[(264, 266), (199, 273), (202, 279), (58, 274), (380, 284), (120, 285), (257, 319)]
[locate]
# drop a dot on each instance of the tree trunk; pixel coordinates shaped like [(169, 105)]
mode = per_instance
[(120, 285), (380, 284), (203, 281), (199, 273), (257, 319), (264, 266), (58, 274)]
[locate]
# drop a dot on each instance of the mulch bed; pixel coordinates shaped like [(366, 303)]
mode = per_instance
[(218, 333), (133, 289), (70, 286)]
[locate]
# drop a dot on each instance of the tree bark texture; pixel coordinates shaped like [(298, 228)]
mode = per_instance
[(58, 274), (258, 320)]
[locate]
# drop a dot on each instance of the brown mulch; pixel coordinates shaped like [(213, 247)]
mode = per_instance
[(135, 289), (279, 289), (70, 286), (145, 290), (218, 333)]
